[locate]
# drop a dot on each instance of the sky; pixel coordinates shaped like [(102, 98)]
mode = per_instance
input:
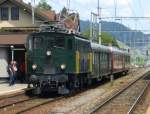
[(128, 8)]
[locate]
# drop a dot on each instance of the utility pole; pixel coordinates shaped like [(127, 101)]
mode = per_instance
[(134, 34), (93, 27), (99, 26), (95, 34), (68, 5), (33, 12)]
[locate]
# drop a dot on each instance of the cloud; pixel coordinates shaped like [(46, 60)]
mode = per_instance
[(88, 3), (146, 13), (125, 12)]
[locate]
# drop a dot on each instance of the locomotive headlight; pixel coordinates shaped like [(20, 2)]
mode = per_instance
[(63, 66), (34, 66), (48, 53)]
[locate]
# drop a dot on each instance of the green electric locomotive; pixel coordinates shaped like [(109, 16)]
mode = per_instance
[(61, 61)]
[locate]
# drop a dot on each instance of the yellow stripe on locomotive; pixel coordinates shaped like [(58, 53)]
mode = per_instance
[(90, 62)]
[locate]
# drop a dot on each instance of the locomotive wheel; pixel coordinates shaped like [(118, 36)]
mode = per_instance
[(77, 83), (126, 72), (28, 86), (63, 89), (71, 87), (81, 83), (73, 84), (123, 73), (37, 91), (99, 78)]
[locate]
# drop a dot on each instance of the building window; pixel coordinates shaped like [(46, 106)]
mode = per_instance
[(4, 13), (14, 13)]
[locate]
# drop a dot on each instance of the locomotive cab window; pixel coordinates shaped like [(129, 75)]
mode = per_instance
[(69, 44), (38, 41)]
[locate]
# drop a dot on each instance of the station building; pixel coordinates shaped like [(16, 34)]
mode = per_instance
[(15, 25)]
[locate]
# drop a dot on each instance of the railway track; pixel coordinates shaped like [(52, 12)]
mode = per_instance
[(100, 105), (38, 105), (10, 104), (27, 106), (14, 108), (14, 102), (138, 99), (17, 103), (12, 99)]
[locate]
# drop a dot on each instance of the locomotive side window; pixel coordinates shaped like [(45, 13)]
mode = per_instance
[(37, 42), (69, 44)]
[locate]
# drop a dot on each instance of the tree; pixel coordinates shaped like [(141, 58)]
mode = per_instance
[(43, 5), (64, 11), (86, 33), (106, 38)]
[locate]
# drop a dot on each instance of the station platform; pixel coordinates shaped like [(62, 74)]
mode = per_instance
[(5, 89)]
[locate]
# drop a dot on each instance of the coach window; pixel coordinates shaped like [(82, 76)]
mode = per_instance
[(69, 44)]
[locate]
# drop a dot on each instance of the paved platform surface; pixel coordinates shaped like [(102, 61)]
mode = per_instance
[(5, 89), (3, 81)]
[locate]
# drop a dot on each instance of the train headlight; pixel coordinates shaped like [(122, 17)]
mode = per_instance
[(34, 66), (48, 53), (63, 66)]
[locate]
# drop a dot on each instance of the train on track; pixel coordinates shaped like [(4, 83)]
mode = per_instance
[(61, 61)]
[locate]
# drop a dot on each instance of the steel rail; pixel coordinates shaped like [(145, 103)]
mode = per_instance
[(18, 102), (46, 102), (100, 105), (138, 98)]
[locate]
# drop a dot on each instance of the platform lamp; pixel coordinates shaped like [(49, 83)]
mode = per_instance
[(12, 52)]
